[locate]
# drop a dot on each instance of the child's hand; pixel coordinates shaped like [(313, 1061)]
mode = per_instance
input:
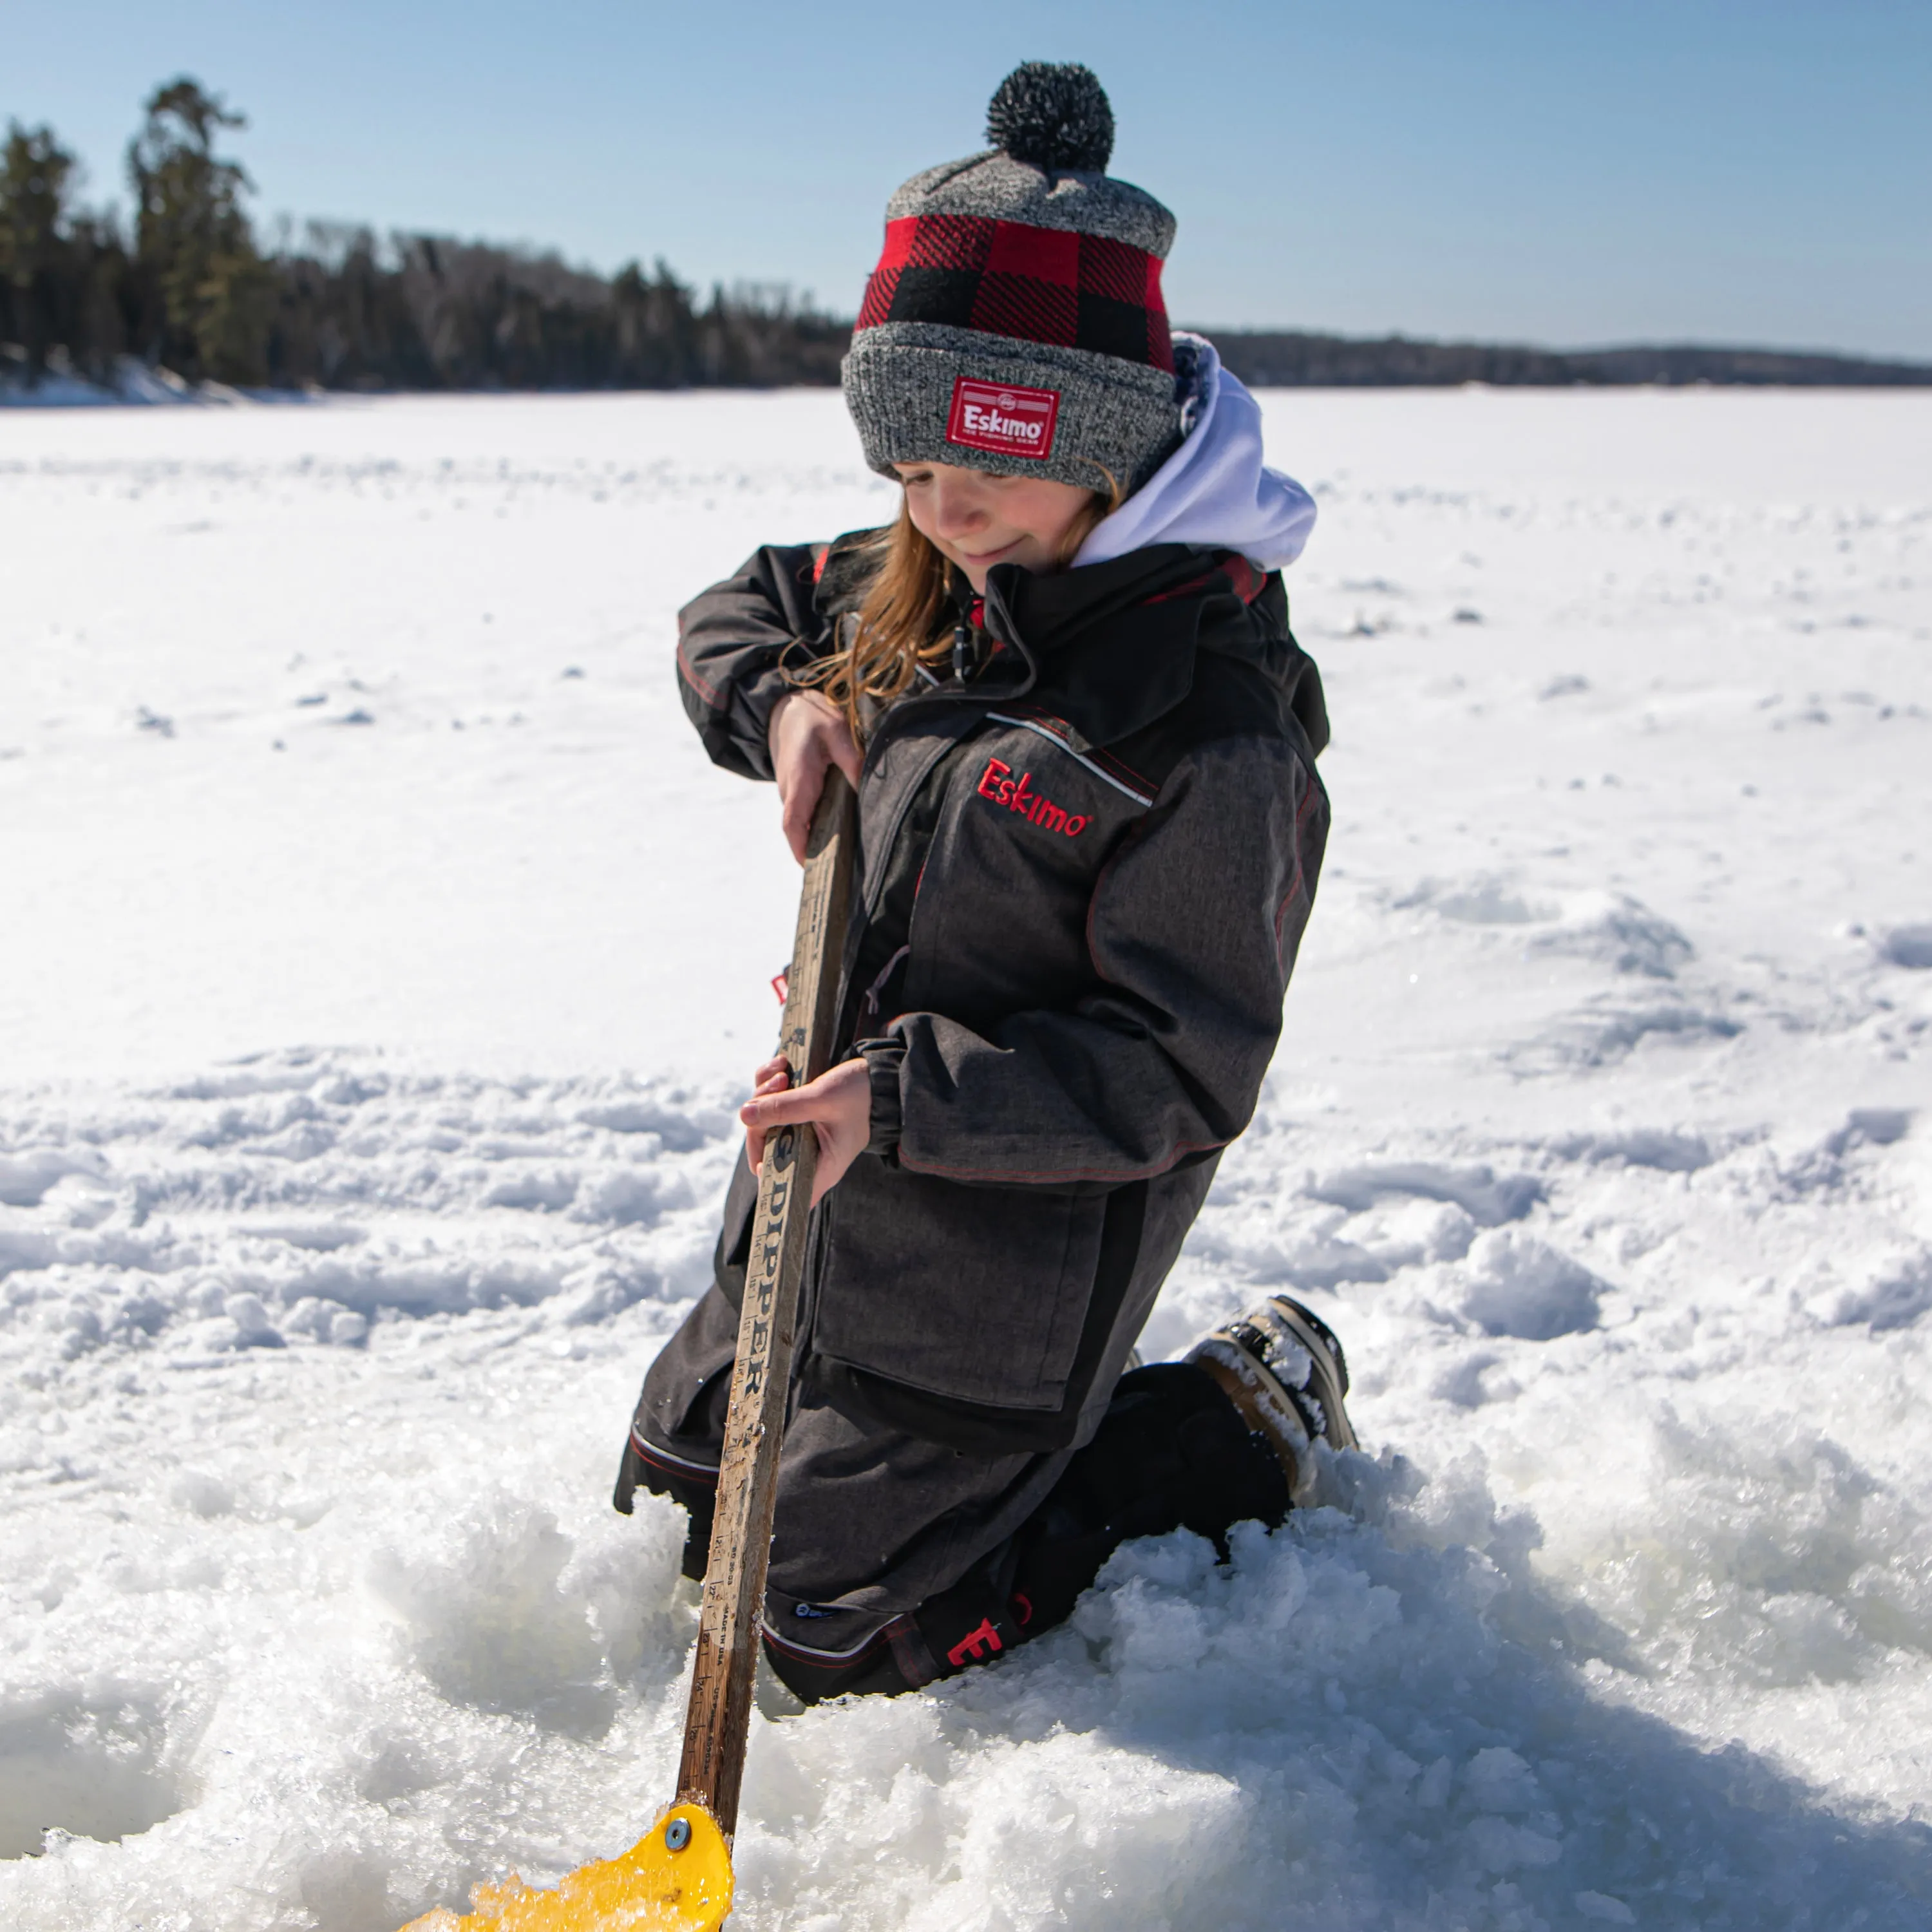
[(807, 734), (838, 1104)]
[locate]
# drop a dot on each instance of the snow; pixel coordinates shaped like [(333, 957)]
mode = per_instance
[(132, 383), (381, 959)]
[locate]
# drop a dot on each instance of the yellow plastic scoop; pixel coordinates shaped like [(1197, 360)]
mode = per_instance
[(676, 1878)]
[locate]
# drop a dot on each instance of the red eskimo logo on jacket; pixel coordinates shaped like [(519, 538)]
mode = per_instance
[(997, 783)]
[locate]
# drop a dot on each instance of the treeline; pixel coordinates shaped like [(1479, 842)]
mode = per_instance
[(1292, 361), (191, 288)]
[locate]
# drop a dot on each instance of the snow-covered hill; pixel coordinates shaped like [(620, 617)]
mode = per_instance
[(381, 958)]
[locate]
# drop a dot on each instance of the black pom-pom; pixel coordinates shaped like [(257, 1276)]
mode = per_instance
[(1053, 116)]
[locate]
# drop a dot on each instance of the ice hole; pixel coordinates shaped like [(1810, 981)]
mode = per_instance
[(490, 1627), (92, 1767)]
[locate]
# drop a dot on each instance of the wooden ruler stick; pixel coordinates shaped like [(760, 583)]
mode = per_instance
[(724, 1666)]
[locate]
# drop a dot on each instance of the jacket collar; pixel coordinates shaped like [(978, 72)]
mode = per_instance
[(1110, 647)]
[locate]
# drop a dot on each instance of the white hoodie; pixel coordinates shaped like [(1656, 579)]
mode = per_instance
[(1214, 490)]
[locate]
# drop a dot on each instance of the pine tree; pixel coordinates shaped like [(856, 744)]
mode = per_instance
[(34, 172), (193, 241)]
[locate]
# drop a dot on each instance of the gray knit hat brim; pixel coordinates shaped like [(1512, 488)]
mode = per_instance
[(1114, 419)]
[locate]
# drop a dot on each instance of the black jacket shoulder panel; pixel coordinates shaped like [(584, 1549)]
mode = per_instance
[(846, 567), (1231, 698), (1204, 651)]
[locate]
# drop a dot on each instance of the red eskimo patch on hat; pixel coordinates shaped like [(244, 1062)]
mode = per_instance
[(1003, 417)]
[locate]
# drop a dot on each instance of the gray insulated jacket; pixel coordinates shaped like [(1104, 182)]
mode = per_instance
[(1085, 868)]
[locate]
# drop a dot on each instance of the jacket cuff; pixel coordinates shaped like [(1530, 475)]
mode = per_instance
[(883, 1058), (754, 698)]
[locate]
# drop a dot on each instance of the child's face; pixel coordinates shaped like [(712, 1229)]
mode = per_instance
[(977, 520)]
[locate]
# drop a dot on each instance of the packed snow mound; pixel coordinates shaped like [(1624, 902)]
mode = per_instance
[(291, 1201), (1614, 927), (1521, 1287)]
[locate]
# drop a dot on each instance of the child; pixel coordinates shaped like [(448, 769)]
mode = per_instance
[(1084, 742)]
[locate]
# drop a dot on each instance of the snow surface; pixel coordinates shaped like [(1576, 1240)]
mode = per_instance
[(134, 383), (381, 958)]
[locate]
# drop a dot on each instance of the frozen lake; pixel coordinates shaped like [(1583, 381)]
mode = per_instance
[(382, 957)]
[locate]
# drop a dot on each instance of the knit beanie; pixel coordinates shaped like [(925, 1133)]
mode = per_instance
[(1014, 322)]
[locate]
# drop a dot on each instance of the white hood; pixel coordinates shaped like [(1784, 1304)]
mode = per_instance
[(1214, 490)]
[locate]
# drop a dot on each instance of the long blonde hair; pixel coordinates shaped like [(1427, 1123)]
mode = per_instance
[(905, 620)]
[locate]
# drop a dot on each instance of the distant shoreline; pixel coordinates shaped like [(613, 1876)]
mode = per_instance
[(1268, 358), (1262, 358)]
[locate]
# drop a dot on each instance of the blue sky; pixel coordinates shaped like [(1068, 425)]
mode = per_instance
[(1538, 170)]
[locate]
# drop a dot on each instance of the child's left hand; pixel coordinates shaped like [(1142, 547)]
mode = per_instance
[(838, 1104)]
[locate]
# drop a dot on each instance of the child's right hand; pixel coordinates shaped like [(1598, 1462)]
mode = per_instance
[(808, 735)]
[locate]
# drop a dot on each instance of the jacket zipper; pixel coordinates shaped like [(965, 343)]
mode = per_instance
[(871, 905), (984, 610)]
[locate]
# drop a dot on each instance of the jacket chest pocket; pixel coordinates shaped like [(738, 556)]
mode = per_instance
[(976, 1293), (999, 922)]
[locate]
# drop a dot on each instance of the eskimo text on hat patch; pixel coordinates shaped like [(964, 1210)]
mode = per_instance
[(1003, 417)]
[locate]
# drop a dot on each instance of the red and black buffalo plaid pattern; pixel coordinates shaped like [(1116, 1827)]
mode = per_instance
[(1033, 284)]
